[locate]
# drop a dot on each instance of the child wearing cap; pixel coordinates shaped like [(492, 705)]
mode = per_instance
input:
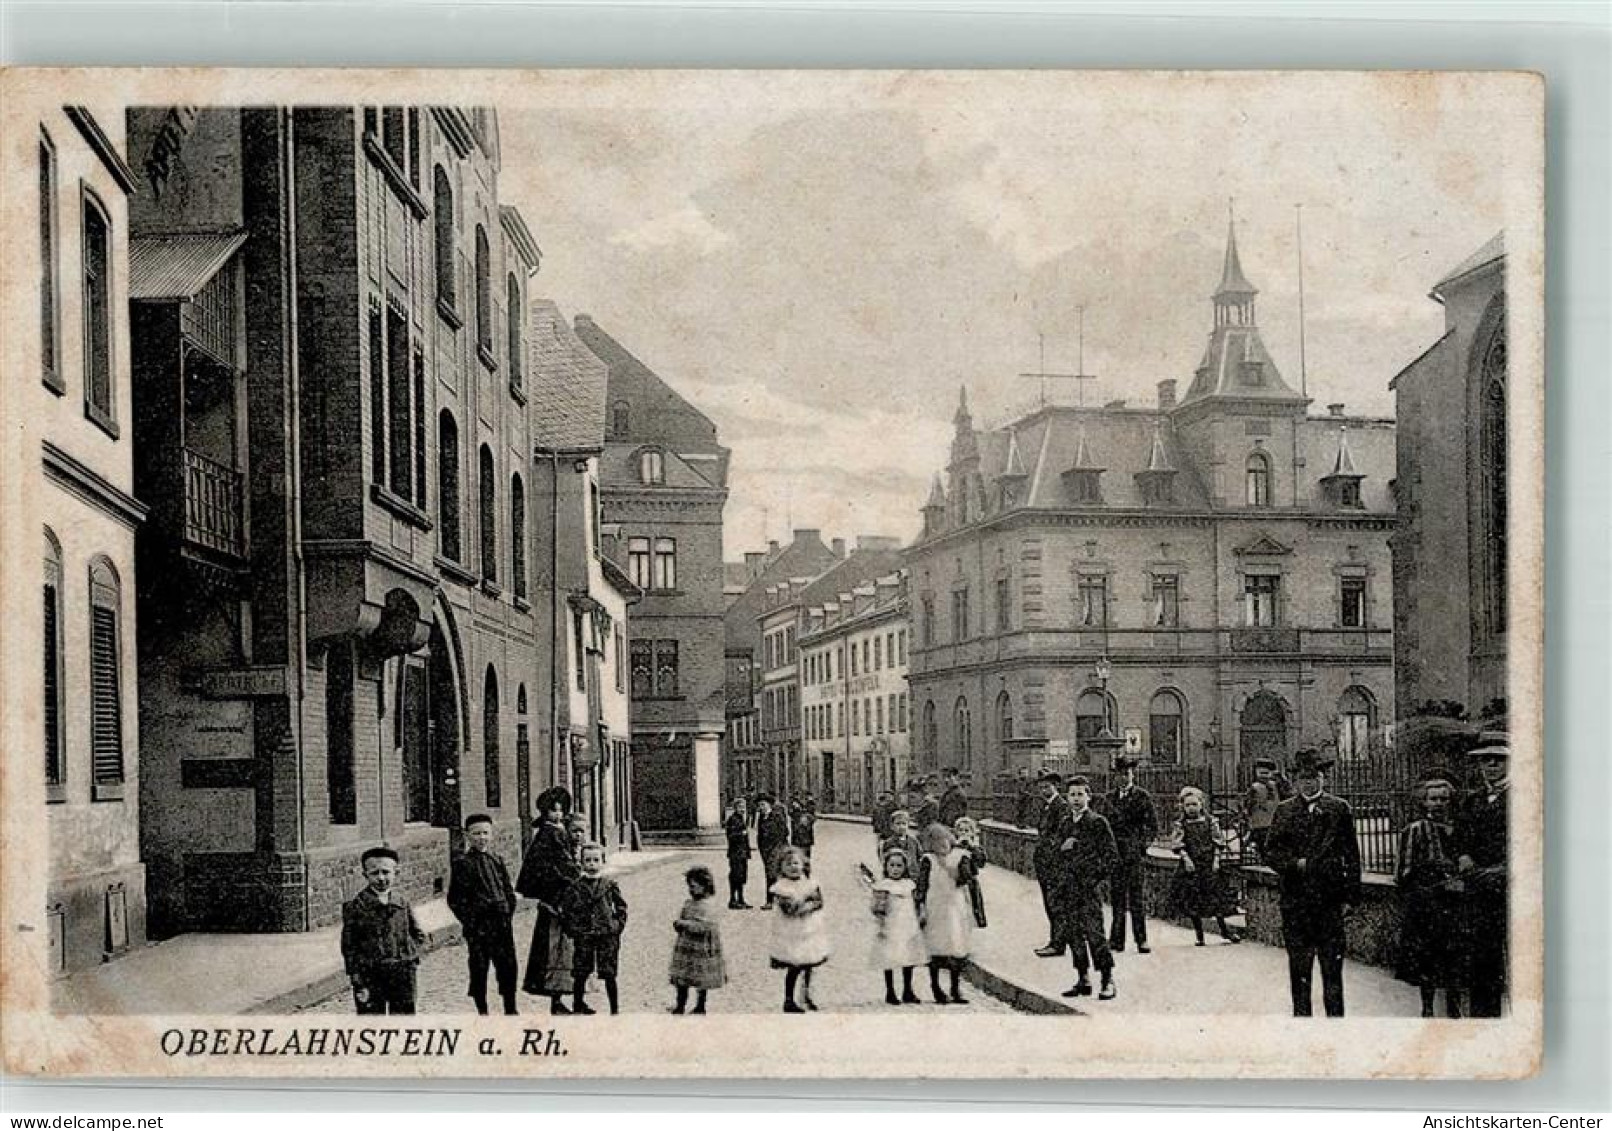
[(482, 897), (380, 939)]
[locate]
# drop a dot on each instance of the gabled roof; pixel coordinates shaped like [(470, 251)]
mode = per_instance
[(859, 568), (619, 467), (567, 383), (178, 266), (1494, 249)]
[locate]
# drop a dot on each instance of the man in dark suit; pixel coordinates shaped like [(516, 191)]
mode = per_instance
[(1482, 855), (772, 834), (928, 811), (482, 897), (1052, 829), (1130, 813), (954, 802), (1313, 850), (1088, 861)]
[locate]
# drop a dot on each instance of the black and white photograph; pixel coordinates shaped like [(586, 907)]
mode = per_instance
[(928, 573)]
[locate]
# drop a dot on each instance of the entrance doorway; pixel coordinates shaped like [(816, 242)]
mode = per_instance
[(1262, 730)]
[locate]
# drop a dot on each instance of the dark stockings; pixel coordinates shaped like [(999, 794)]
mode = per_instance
[(682, 1001), (612, 995), (1452, 1002)]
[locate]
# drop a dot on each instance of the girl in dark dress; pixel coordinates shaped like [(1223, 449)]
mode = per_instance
[(548, 869), (1197, 890), (1432, 940)]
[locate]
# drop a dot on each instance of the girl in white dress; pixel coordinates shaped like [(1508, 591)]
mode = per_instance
[(899, 942), (799, 934), (944, 908)]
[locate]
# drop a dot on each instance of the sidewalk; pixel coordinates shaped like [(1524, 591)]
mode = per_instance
[(231, 974)]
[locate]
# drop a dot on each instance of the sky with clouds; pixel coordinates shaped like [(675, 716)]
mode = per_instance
[(819, 261)]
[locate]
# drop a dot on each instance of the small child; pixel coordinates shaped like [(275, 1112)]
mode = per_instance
[(381, 940), (970, 840), (901, 836), (594, 913), (482, 897), (1197, 887), (899, 943), (948, 920), (799, 934), (697, 962)]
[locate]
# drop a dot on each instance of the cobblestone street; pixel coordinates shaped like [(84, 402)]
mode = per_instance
[(655, 893)]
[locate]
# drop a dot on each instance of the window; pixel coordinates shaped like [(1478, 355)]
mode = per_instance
[(930, 734), (665, 563), (341, 780), (1166, 612), (1004, 604), (618, 661), (517, 536), (638, 567), (1166, 736), (1492, 498), (106, 682), (1004, 720), (414, 146), (651, 467), (579, 653), (55, 746), (447, 287), (853, 659), (49, 299), (493, 783), (1259, 480), (448, 486), (878, 716), (890, 714), (398, 382), (856, 716), (901, 703), (901, 646), (394, 137), (867, 666), (890, 649), (620, 419), (1093, 713), (840, 714), (489, 516), (963, 730), (928, 622), (878, 653), (1356, 712), (960, 613), (595, 517), (516, 315), (1349, 493), (1260, 591), (98, 315), (1352, 602), (419, 427), (484, 294), (1092, 597), (655, 669)]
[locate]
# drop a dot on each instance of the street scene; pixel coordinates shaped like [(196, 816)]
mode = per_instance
[(523, 560)]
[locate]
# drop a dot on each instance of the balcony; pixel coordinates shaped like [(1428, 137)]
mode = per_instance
[(213, 506), (1265, 639)]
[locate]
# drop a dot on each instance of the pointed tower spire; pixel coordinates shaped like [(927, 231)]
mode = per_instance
[(962, 418), (1342, 486), (937, 493), (1159, 459), (934, 511), (1232, 280)]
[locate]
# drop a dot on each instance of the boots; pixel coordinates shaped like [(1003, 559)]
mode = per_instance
[(890, 997), (907, 995)]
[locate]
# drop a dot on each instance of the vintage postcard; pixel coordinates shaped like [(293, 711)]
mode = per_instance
[(888, 574)]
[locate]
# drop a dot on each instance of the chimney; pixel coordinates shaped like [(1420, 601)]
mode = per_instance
[(838, 546), (772, 546), (584, 319), (1167, 394), (1335, 409)]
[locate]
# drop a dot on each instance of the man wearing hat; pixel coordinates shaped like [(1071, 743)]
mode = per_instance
[(954, 802), (1482, 856), (772, 836), (1313, 850), (928, 810), (1053, 827), (1131, 816), (380, 939)]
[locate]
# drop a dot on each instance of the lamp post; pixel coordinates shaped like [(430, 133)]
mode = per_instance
[(1105, 742)]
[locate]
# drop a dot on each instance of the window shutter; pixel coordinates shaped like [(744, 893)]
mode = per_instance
[(53, 722), (106, 715)]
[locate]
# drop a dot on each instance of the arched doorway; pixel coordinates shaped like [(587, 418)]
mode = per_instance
[(429, 731), (1262, 729)]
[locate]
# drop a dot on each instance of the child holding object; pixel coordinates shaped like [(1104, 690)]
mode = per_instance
[(898, 943), (799, 934), (697, 962)]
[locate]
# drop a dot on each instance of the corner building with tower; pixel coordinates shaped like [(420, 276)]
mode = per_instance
[(1200, 583)]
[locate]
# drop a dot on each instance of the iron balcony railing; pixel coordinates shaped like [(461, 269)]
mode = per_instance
[(213, 505)]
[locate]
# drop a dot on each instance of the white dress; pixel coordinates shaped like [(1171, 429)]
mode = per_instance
[(948, 917), (900, 940), (798, 939)]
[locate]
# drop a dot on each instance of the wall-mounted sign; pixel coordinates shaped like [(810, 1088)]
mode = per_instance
[(1133, 740), (242, 683)]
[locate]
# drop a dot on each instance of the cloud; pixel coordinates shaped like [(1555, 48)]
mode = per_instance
[(686, 229)]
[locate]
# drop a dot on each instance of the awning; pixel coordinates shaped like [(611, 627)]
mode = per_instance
[(171, 267)]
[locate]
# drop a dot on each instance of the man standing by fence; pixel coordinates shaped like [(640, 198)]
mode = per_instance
[(1313, 850), (1482, 848), (1052, 829), (1130, 813)]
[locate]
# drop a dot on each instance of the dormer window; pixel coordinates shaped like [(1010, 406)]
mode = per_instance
[(1084, 486), (651, 467), (1259, 480)]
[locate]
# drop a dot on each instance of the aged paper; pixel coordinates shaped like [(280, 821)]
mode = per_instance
[(562, 574)]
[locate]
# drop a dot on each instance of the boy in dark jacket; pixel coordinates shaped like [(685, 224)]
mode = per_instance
[(482, 897), (772, 835), (1088, 860), (381, 940), (594, 913)]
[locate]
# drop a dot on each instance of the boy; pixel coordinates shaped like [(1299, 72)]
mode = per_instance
[(1088, 854), (594, 914), (901, 836), (482, 897), (380, 940), (1131, 816), (772, 836)]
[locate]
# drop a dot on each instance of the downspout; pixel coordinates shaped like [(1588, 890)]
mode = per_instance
[(555, 683), (293, 429)]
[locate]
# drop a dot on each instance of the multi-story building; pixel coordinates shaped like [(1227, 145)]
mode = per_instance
[(1450, 607), (76, 411), (663, 481), (1206, 580), (855, 715), (332, 431), (584, 594)]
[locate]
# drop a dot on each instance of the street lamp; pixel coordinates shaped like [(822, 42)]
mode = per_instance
[(1104, 742)]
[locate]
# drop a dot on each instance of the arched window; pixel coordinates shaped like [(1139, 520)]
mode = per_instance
[(1259, 480), (1492, 468), (1262, 728), (1094, 712), (1004, 722), (651, 466), (930, 733), (442, 203), (620, 419), (1357, 718), (963, 732), (516, 316), (448, 485), (517, 535), (489, 739), (106, 681), (484, 291), (488, 486), (1167, 732), (55, 745)]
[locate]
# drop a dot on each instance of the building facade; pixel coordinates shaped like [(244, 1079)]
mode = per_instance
[(1206, 581), (1450, 570), (333, 433), (855, 720), (82, 412), (663, 479)]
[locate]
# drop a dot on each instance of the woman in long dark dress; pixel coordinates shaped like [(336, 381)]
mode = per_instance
[(547, 870), (1432, 940)]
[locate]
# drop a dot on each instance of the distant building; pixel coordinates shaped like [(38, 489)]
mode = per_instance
[(73, 391), (664, 483), (1205, 580), (1450, 607)]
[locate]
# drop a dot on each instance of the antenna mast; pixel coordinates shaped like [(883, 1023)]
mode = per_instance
[(1298, 221)]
